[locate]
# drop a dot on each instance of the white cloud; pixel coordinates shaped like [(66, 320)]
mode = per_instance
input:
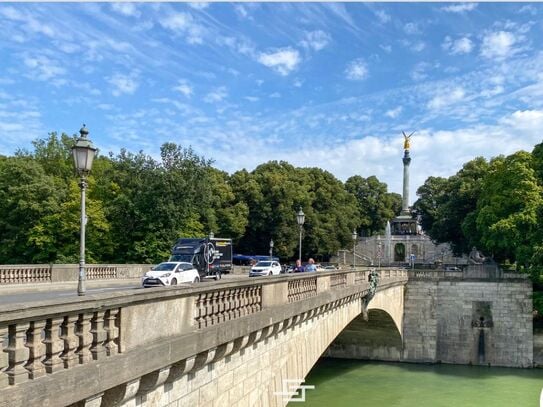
[(498, 45), (252, 98), (184, 23), (357, 70), (459, 8), (528, 9), (43, 68), (283, 60), (411, 28), (419, 71), (415, 46), (526, 120), (386, 48), (393, 113), (316, 40), (217, 95), (126, 9), (460, 46), (275, 95), (124, 84), (199, 5), (446, 97), (382, 16), (184, 88)]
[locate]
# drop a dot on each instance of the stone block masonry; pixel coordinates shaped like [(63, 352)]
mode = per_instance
[(486, 322)]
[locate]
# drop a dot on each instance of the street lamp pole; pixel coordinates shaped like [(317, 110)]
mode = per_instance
[(355, 235), (83, 153), (300, 218), (271, 249)]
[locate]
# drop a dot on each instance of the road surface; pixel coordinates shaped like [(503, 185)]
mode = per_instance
[(52, 292)]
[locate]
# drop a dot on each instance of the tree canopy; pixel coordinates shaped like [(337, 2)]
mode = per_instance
[(138, 205)]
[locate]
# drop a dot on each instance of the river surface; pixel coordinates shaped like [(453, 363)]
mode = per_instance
[(342, 383)]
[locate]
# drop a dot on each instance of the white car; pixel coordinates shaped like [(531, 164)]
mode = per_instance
[(265, 268), (170, 273)]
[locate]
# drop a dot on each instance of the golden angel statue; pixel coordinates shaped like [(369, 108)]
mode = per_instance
[(406, 140)]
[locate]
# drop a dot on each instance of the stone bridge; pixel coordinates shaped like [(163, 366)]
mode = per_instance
[(226, 344)]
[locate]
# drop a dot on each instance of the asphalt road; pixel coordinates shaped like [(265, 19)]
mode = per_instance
[(60, 293)]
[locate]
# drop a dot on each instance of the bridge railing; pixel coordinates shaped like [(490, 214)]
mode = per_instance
[(467, 274), (50, 339), (56, 273)]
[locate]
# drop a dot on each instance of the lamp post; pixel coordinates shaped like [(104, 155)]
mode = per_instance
[(83, 152), (271, 249), (300, 218), (354, 247)]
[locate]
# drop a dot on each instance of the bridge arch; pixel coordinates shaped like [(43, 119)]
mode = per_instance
[(374, 334)]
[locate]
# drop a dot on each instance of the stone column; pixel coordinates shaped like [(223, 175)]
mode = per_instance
[(405, 199)]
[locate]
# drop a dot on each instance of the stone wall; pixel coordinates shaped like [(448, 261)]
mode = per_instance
[(252, 376), (442, 322)]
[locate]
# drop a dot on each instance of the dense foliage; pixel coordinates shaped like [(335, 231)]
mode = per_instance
[(496, 206), (137, 206)]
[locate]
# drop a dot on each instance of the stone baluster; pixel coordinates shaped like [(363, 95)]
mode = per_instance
[(70, 339), (214, 307), (36, 349), (85, 338), (222, 306), (53, 345), (3, 357), (112, 341), (17, 353), (99, 335)]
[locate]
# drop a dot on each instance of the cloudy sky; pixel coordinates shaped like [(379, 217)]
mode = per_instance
[(329, 85)]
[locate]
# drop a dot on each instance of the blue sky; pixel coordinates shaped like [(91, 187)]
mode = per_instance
[(316, 84)]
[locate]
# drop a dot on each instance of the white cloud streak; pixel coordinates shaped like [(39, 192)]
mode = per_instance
[(283, 60)]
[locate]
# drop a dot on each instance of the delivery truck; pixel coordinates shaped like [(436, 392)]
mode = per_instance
[(211, 256)]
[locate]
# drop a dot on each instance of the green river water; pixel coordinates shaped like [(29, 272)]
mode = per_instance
[(342, 383)]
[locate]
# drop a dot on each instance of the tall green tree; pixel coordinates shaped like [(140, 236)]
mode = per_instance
[(375, 204), (509, 207), (27, 194), (447, 206)]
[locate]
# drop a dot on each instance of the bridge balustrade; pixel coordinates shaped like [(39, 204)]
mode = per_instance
[(67, 340), (11, 274)]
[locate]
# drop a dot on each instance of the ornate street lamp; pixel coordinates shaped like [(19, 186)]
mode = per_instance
[(355, 235), (300, 218), (211, 235), (83, 152), (271, 250)]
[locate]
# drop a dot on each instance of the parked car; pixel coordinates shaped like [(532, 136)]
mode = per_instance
[(170, 273), (329, 268), (265, 268)]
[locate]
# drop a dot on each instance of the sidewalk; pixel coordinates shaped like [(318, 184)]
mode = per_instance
[(43, 287)]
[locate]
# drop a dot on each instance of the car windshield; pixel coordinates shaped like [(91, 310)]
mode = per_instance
[(182, 257), (263, 264), (165, 267)]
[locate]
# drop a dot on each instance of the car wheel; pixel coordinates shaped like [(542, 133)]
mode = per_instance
[(218, 276), (174, 281), (196, 280), (270, 273)]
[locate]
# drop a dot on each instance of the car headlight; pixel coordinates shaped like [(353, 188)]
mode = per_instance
[(166, 275)]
